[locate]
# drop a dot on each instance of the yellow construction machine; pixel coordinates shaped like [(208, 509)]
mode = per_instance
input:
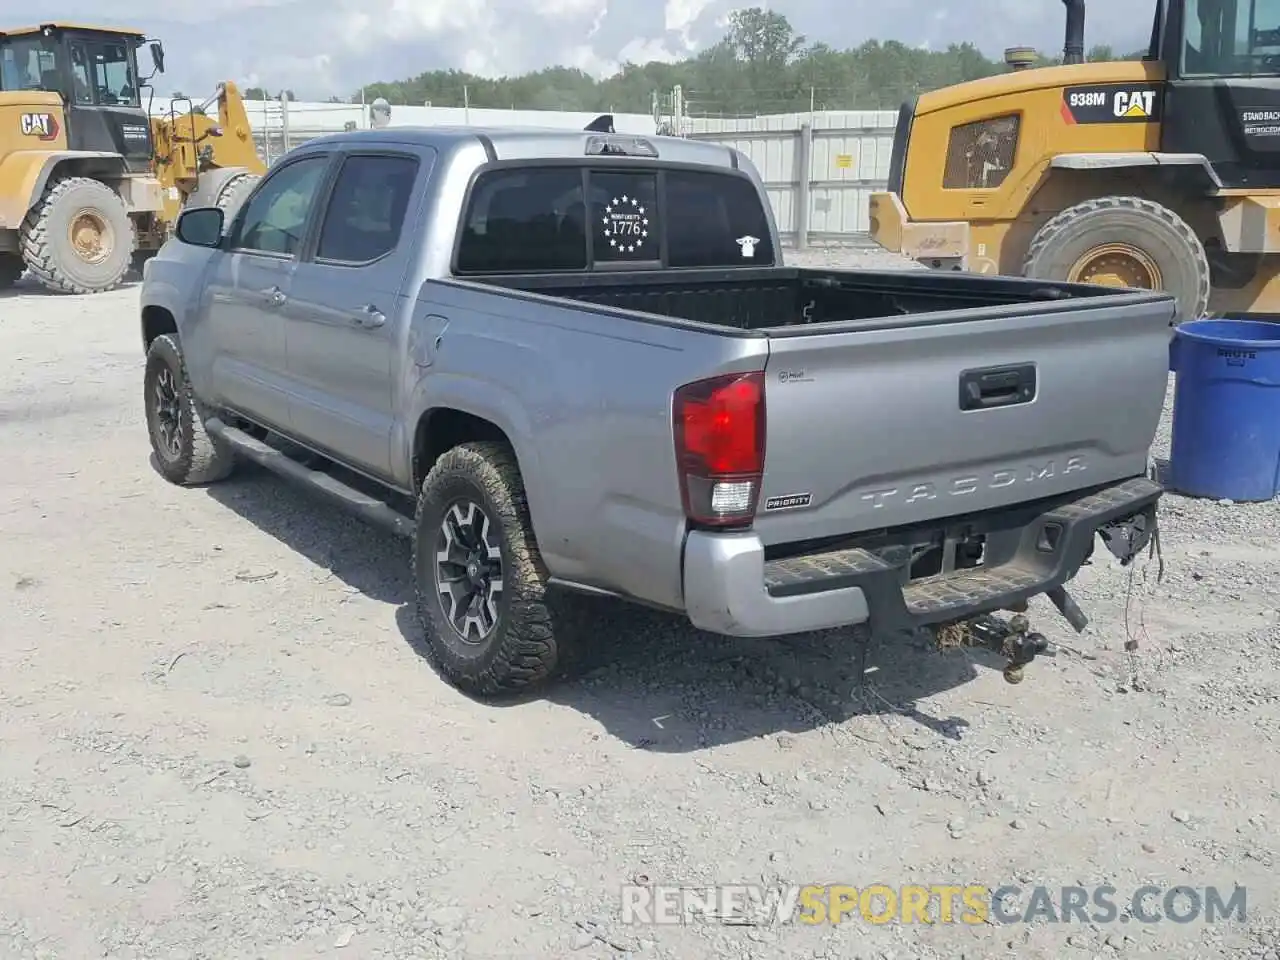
[(1162, 173), (90, 180)]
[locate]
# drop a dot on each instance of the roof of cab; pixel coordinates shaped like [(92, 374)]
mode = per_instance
[(518, 143), (61, 25)]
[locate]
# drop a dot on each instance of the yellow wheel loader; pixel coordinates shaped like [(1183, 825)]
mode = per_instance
[(89, 179), (1160, 174)]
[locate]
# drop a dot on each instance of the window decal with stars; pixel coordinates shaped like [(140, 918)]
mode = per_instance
[(626, 224)]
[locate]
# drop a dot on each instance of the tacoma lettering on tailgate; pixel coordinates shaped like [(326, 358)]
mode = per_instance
[(971, 483)]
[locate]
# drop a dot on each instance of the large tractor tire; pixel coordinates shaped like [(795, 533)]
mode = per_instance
[(234, 192), (11, 268), (79, 237), (1124, 242)]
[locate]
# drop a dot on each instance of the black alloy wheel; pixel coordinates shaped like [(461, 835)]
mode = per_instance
[(469, 571)]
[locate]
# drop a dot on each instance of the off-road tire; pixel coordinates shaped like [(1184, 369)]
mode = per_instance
[(46, 242), (11, 269), (201, 458), (523, 650), (1155, 229), (233, 193)]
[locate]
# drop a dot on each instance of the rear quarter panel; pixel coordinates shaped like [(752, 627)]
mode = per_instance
[(585, 397)]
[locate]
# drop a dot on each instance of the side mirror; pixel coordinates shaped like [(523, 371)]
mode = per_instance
[(201, 226), (157, 55)]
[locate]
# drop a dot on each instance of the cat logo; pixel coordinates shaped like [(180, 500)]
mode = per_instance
[(1134, 105), (1108, 103), (43, 126)]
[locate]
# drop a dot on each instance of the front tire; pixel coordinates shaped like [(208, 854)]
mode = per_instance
[(1124, 241), (480, 583), (79, 238), (185, 452)]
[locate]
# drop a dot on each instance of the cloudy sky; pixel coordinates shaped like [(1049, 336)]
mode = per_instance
[(323, 47)]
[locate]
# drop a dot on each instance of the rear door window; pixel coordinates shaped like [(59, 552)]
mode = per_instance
[(536, 220), (367, 209)]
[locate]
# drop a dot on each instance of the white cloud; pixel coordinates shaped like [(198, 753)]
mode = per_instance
[(322, 47)]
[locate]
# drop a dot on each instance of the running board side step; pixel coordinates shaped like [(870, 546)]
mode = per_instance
[(361, 504)]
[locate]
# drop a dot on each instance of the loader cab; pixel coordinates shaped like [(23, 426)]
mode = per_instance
[(1222, 94), (95, 71)]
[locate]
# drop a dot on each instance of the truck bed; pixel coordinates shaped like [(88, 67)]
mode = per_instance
[(898, 398), (769, 298)]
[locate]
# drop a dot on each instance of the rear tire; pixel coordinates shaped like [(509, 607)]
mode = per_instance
[(504, 641), (186, 453), (79, 238), (1125, 239), (11, 269)]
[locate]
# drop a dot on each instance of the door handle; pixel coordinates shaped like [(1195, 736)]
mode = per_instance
[(369, 317), (274, 296)]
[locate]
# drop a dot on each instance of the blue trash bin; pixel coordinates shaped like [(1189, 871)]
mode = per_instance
[(1226, 410)]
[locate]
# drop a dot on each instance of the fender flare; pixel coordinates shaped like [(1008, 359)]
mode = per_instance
[(487, 401), (31, 171), (1194, 165)]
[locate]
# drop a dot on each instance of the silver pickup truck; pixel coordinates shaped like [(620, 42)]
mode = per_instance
[(576, 361)]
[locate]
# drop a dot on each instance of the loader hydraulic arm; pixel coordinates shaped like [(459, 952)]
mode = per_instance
[(232, 116)]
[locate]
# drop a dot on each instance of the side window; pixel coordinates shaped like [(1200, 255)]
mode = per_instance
[(524, 221), (1258, 35), (367, 209), (275, 217), (1231, 39), (27, 67), (112, 75), (83, 85), (715, 220), (10, 75), (624, 210)]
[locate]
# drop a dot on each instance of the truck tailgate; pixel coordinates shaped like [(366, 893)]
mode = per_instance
[(916, 418)]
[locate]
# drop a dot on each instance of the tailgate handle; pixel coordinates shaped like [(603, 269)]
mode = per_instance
[(997, 386)]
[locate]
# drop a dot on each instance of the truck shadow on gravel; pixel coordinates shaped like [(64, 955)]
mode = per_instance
[(648, 677)]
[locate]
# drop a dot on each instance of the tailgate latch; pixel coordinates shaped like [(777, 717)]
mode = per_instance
[(992, 387)]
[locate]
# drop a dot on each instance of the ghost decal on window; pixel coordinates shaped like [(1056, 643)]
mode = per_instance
[(748, 245)]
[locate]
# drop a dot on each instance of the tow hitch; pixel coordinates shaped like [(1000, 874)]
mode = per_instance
[(1012, 638)]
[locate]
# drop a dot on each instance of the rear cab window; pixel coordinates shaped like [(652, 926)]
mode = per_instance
[(576, 217)]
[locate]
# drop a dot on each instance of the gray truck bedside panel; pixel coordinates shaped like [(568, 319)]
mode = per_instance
[(586, 402), (870, 427)]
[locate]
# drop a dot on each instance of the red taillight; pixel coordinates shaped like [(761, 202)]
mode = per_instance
[(719, 432)]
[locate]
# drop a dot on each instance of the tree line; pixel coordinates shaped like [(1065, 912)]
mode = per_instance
[(761, 65)]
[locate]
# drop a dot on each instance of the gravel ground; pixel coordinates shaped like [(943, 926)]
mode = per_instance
[(218, 738)]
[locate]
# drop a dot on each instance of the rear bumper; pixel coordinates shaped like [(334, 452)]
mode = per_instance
[(944, 243), (730, 588)]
